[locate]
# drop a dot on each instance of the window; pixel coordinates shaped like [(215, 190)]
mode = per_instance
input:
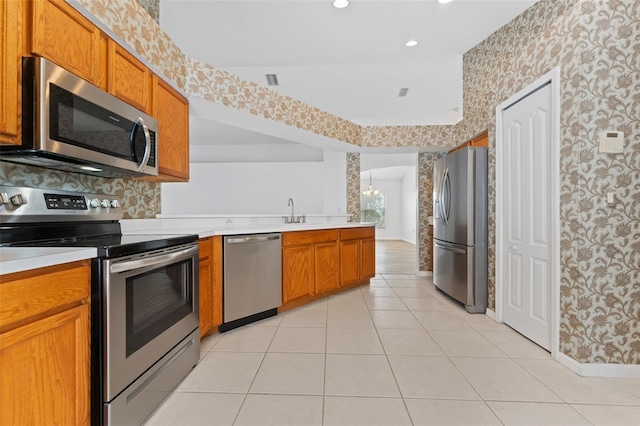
[(372, 209)]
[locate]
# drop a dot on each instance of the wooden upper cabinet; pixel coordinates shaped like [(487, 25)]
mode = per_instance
[(127, 78), (45, 346), (11, 32), (482, 140), (61, 34), (171, 109)]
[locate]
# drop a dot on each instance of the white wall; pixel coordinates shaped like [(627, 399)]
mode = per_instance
[(409, 206), (246, 188), (393, 208)]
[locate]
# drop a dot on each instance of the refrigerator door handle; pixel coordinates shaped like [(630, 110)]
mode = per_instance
[(447, 191), (455, 250), (441, 203)]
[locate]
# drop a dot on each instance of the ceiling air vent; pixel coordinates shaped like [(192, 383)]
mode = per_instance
[(272, 80), (403, 92)]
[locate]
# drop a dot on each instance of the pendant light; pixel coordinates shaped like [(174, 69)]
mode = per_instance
[(371, 190)]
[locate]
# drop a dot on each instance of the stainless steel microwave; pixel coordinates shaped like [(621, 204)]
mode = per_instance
[(69, 124)]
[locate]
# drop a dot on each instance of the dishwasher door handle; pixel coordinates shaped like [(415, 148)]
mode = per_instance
[(252, 239)]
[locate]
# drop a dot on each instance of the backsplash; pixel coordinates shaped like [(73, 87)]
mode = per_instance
[(140, 199)]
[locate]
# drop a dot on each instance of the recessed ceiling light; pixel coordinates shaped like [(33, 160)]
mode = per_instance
[(340, 4), (444, 1), (403, 92), (272, 79), (411, 43)]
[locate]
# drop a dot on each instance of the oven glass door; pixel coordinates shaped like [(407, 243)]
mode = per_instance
[(151, 304)]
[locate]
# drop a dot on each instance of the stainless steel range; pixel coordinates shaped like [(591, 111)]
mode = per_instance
[(144, 296)]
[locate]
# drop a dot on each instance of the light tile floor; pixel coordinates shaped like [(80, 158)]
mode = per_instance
[(395, 352)]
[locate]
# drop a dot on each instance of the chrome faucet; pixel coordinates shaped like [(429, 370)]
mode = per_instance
[(290, 203), (293, 218)]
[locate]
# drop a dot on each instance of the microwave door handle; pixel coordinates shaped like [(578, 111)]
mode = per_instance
[(147, 143)]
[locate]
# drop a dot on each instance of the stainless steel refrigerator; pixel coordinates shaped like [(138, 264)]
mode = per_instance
[(460, 227)]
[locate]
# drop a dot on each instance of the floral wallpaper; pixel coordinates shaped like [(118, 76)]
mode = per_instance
[(222, 87), (426, 162), (140, 199), (595, 44), (407, 136), (353, 185)]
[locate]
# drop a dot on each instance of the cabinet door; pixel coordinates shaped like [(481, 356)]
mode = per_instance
[(205, 287), (327, 259), (216, 259), (127, 78), (62, 35), (171, 110), (11, 27), (350, 258), (368, 258), (45, 371), (297, 272)]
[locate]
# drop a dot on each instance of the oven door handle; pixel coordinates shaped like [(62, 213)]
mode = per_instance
[(153, 260)]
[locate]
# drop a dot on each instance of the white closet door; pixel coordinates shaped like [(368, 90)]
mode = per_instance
[(526, 136)]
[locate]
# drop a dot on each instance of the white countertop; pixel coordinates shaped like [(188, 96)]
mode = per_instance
[(203, 230), (18, 259)]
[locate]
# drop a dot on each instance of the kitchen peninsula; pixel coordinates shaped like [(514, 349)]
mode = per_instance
[(324, 256)]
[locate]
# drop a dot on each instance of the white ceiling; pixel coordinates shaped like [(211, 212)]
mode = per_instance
[(385, 173), (351, 62)]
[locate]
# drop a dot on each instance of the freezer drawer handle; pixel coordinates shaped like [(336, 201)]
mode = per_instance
[(455, 250), (252, 239)]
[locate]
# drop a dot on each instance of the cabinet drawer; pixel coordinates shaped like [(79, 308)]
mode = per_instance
[(30, 293), (357, 233), (309, 237)]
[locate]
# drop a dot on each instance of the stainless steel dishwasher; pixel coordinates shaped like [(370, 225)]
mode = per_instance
[(252, 283)]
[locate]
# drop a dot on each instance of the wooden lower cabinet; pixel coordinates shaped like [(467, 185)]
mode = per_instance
[(327, 266), (210, 284), (350, 261), (45, 346), (320, 262), (357, 254), (368, 259), (205, 286), (297, 272), (310, 263)]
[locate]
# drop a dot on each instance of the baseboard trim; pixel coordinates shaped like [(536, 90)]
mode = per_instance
[(491, 314), (600, 370)]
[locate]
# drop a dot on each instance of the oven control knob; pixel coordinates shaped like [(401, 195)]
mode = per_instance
[(115, 204), (18, 200), (95, 203), (104, 203), (4, 198)]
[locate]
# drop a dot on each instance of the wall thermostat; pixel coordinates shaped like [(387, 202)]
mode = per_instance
[(611, 142)]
